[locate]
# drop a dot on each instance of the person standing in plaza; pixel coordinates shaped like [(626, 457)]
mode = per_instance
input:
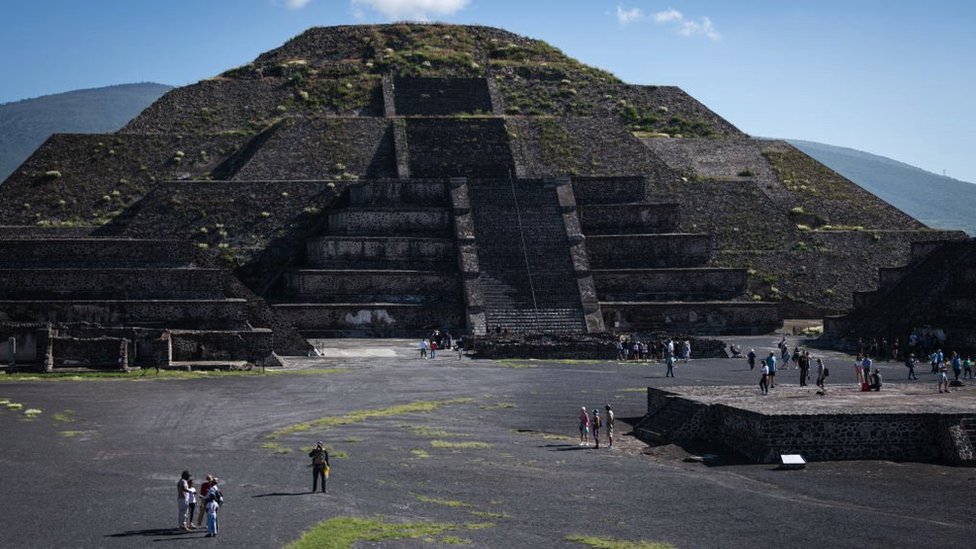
[(752, 358), (910, 362), (770, 363), (204, 489), (866, 368), (183, 499), (822, 373), (609, 426), (584, 426), (858, 372), (320, 466), (803, 362), (423, 348), (943, 378), (596, 427), (764, 380), (214, 499), (670, 363)]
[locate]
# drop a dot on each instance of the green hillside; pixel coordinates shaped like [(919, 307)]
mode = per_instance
[(24, 125), (938, 201)]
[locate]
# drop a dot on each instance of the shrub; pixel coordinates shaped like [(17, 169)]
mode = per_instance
[(746, 173), (52, 174)]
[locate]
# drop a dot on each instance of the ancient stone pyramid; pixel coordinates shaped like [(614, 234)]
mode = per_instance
[(388, 180)]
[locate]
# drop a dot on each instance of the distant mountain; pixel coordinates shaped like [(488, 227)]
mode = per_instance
[(938, 201), (26, 124)]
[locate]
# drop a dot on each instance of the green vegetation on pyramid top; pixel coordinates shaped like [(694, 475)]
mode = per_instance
[(339, 71)]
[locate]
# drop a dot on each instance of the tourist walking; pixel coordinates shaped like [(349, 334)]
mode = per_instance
[(910, 362), (609, 422), (858, 372), (686, 350), (764, 380), (866, 368), (943, 378), (967, 368), (956, 365), (771, 364), (183, 499), (423, 348), (320, 466), (670, 363), (596, 427), (584, 426), (752, 358), (191, 504), (822, 374)]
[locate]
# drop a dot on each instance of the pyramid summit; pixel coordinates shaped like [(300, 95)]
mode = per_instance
[(388, 180)]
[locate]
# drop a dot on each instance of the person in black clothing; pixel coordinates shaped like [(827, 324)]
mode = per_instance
[(320, 464)]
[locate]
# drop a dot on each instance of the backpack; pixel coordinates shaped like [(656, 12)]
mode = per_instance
[(826, 372), (215, 495)]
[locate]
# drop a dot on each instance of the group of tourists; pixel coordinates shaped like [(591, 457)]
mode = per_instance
[(439, 341), (801, 361), (593, 423), (657, 350), (208, 498)]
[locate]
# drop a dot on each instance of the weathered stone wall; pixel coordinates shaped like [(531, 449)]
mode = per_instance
[(356, 286), (593, 191), (629, 218), (694, 317), (415, 192), (94, 252), (373, 319), (253, 346), (97, 352), (133, 283), (649, 250), (441, 96), (671, 284), (391, 220), (217, 313), (323, 148), (458, 147), (334, 250)]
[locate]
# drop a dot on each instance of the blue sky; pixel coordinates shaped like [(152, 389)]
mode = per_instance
[(892, 78)]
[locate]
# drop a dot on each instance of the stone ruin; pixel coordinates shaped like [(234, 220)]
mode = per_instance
[(389, 180)]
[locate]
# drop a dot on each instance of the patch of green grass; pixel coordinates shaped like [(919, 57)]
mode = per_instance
[(67, 416), (420, 453), (32, 412), (550, 436), (444, 502), (14, 405), (360, 416), (515, 363), (466, 445), (275, 448), (608, 543), (72, 434), (346, 532), (633, 390), (351, 440), (427, 432)]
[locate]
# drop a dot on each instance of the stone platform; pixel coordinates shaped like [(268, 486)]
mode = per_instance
[(906, 423)]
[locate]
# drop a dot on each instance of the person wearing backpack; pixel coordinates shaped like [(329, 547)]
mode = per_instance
[(320, 465)]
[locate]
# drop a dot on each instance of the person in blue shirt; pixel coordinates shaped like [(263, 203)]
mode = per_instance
[(956, 365), (771, 363)]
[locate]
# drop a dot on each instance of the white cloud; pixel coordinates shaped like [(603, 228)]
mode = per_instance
[(685, 26), (629, 15), (296, 4), (414, 9), (667, 16)]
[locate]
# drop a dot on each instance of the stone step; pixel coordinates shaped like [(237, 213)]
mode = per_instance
[(121, 283), (413, 286), (629, 218), (702, 318), (420, 192), (94, 252), (458, 147), (369, 319), (649, 250), (326, 251), (536, 320), (173, 313), (609, 190), (701, 284), (441, 96), (391, 221)]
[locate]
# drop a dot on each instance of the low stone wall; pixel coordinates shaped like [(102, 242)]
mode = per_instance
[(326, 250), (575, 346), (255, 346), (608, 190), (108, 353), (392, 221), (649, 250)]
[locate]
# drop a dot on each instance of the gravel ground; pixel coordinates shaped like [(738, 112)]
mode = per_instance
[(98, 466)]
